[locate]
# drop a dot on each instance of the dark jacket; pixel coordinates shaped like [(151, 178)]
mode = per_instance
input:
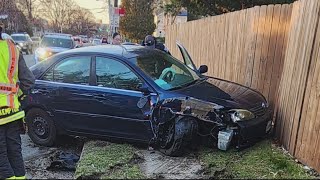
[(26, 77)]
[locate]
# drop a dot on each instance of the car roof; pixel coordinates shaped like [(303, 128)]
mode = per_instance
[(127, 51), (19, 34), (58, 36)]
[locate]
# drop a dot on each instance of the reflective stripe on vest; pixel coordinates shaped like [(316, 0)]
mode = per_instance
[(12, 118), (11, 89)]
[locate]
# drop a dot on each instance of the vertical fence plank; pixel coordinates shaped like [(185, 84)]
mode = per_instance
[(259, 46), (271, 58)]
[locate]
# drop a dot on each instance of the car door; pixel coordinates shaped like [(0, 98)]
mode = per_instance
[(186, 57), (116, 97), (71, 102)]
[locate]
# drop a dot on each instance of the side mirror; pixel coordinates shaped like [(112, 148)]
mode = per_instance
[(143, 87), (203, 69)]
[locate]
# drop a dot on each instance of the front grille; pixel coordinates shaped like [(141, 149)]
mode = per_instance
[(258, 110)]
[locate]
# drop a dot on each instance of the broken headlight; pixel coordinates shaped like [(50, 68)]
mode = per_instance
[(240, 115)]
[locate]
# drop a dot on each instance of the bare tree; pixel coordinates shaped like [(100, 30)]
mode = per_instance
[(28, 7), (15, 20), (81, 21), (57, 11)]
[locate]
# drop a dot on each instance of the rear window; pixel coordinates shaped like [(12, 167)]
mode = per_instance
[(56, 42), (19, 38)]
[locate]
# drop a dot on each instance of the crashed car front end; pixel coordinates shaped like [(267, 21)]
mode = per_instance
[(224, 125)]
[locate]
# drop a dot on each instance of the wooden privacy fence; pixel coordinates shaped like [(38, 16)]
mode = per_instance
[(298, 116), (244, 46), (273, 49)]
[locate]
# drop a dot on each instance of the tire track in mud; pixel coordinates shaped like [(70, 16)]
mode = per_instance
[(159, 166)]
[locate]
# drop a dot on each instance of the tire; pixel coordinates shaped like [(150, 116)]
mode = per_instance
[(27, 52), (184, 131), (41, 128)]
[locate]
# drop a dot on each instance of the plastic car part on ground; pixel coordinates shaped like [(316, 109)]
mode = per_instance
[(64, 161)]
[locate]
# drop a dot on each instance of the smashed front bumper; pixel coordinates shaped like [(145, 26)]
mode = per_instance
[(253, 130), (246, 133)]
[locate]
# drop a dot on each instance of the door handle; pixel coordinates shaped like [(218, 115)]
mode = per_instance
[(43, 91)]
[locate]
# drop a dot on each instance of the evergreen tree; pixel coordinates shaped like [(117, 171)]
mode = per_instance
[(138, 20)]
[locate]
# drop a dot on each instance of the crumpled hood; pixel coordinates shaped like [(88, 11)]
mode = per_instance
[(224, 93)]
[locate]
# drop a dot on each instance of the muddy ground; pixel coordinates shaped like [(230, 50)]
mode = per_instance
[(154, 165), (38, 159)]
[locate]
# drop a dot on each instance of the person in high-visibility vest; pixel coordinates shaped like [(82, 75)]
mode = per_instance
[(16, 80)]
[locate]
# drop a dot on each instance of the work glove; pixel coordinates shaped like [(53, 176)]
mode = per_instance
[(22, 97)]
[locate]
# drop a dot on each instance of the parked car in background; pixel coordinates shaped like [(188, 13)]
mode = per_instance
[(36, 42), (53, 43), (96, 42), (7, 36), (141, 94), (24, 41)]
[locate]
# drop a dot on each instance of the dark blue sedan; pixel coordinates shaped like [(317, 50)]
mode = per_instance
[(140, 94)]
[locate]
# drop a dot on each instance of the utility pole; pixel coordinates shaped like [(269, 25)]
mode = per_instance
[(113, 18)]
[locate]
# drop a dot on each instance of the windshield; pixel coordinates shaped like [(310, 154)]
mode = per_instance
[(166, 71), (19, 38), (56, 42)]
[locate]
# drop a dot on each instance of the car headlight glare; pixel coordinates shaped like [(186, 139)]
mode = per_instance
[(241, 115), (43, 53), (21, 44)]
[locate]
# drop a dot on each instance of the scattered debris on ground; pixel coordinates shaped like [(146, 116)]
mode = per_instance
[(51, 162), (63, 161), (106, 160), (263, 160)]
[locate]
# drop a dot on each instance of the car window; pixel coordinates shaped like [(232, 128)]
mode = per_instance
[(73, 70), (19, 38), (114, 74), (186, 57), (166, 71), (56, 42)]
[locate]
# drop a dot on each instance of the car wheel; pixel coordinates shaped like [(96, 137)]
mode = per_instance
[(27, 52), (178, 136), (41, 127)]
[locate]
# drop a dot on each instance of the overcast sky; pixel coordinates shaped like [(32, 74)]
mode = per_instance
[(98, 8)]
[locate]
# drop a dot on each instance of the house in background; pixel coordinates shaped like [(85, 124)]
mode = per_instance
[(163, 20)]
